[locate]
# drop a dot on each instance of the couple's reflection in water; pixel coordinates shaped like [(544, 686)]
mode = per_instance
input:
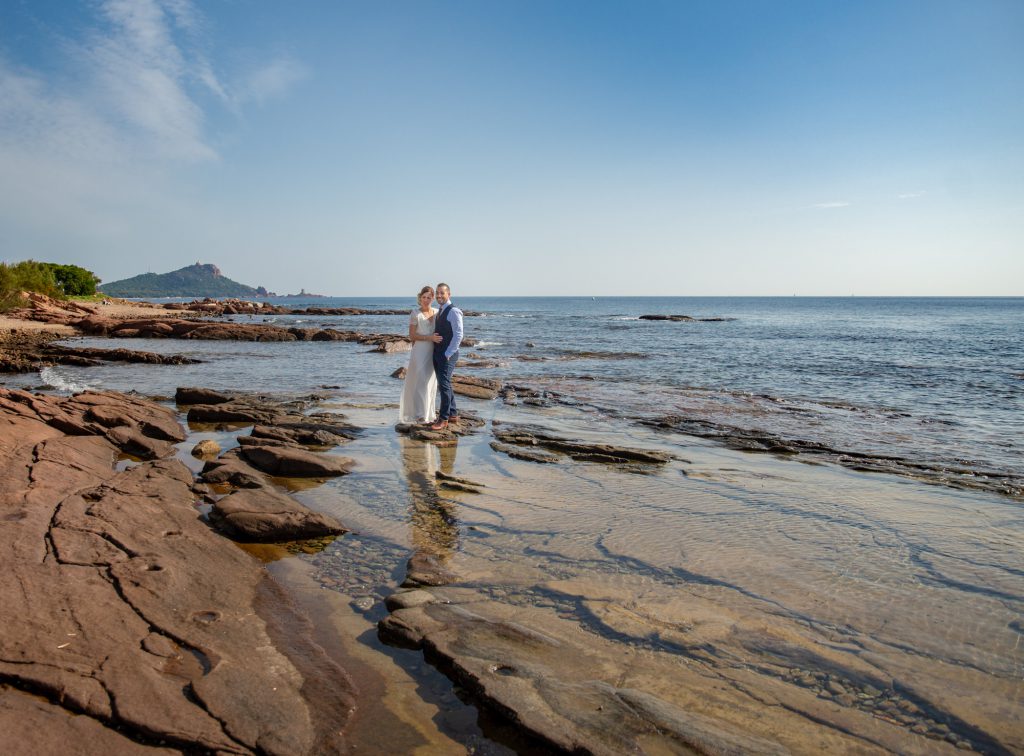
[(435, 526)]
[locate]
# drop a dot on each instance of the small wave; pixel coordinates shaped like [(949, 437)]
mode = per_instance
[(489, 343), (51, 377), (625, 317)]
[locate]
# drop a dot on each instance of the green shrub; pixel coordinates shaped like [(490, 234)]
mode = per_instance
[(74, 281), (51, 279)]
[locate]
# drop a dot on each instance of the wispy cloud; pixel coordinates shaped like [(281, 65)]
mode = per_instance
[(95, 139), (910, 195), (134, 94), (830, 205), (140, 74), (270, 81)]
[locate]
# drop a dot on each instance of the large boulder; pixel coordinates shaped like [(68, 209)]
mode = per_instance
[(293, 462), (194, 395), (265, 515), (476, 388)]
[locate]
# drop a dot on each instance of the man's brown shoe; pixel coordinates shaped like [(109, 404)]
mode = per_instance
[(439, 425), (453, 419)]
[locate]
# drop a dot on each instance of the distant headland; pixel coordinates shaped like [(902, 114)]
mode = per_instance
[(197, 280)]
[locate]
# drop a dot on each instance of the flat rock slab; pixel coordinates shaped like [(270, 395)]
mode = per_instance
[(685, 318), (292, 462), (466, 426), (457, 483), (573, 692), (550, 686), (197, 395), (135, 426), (533, 439), (266, 516), (476, 388), (127, 621), (525, 453)]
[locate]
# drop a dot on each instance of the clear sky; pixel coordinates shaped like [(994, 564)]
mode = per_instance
[(526, 147)]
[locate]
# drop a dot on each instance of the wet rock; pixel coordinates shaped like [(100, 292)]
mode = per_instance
[(134, 442), (263, 515), (467, 424), (292, 462), (206, 448), (406, 599), (193, 395), (477, 388), (127, 621), (835, 688), (508, 667), (524, 453), (685, 318), (456, 483), (532, 437), (305, 434), (395, 346), (232, 412), (232, 471), (674, 318), (427, 569), (399, 373), (363, 603)]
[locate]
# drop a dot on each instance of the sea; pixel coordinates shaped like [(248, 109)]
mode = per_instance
[(831, 559), (927, 387)]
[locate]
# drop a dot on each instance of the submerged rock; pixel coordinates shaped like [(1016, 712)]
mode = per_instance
[(291, 462), (206, 448), (264, 515), (533, 438)]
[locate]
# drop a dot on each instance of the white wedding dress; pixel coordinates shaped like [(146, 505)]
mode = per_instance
[(419, 396)]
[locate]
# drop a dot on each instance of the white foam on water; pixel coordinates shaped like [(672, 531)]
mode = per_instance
[(489, 343), (51, 377)]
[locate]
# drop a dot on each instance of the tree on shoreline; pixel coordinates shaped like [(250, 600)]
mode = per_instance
[(52, 279)]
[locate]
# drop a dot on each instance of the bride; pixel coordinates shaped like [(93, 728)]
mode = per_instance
[(419, 396)]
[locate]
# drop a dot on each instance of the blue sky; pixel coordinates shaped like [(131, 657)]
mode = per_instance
[(534, 148)]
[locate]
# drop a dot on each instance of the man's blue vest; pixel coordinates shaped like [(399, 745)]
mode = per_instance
[(443, 327)]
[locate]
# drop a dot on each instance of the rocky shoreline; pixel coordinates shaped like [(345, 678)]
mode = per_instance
[(128, 621), (137, 623)]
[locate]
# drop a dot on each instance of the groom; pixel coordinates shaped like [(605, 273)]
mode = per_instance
[(447, 337)]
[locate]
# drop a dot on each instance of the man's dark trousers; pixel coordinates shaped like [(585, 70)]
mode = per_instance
[(444, 369)]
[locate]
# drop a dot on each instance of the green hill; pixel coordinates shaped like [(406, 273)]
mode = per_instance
[(193, 281)]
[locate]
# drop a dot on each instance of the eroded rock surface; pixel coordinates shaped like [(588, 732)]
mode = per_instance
[(122, 607), (477, 388), (280, 446), (685, 318), (467, 424), (262, 514), (540, 445)]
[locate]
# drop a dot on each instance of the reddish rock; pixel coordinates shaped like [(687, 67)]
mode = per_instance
[(291, 462), (193, 395), (264, 515), (127, 621), (477, 388)]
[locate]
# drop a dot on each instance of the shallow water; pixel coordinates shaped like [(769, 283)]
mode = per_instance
[(934, 387), (751, 567), (877, 581)]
